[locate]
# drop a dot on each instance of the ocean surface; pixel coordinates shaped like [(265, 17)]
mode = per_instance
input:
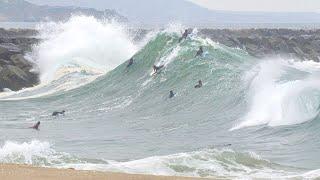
[(253, 118)]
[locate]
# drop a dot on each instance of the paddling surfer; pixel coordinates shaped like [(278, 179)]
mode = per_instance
[(57, 113), (156, 69), (36, 126), (199, 85)]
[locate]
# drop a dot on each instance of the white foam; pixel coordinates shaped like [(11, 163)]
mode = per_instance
[(274, 101), (82, 40), (204, 163), (82, 46), (34, 152), (171, 56), (207, 163)]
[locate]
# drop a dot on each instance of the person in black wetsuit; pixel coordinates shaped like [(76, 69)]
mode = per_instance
[(130, 62), (199, 85), (56, 113), (156, 69), (36, 126), (184, 35), (200, 51), (171, 95)]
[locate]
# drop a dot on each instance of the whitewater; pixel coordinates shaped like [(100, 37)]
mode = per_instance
[(253, 118)]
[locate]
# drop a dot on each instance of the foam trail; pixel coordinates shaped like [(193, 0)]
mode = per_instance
[(205, 163)]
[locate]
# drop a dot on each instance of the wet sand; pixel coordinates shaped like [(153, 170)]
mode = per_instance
[(24, 172)]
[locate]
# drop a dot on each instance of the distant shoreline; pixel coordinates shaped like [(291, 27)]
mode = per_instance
[(19, 172), (295, 26)]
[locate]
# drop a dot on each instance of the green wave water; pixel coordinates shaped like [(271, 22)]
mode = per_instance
[(251, 119)]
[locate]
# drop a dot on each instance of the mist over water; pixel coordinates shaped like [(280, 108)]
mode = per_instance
[(276, 100), (75, 52), (253, 118), (83, 41)]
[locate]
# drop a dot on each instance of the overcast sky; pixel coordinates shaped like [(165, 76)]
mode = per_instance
[(262, 5), (233, 5)]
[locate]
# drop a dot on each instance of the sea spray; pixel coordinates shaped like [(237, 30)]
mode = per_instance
[(274, 101), (34, 152), (76, 52), (82, 40)]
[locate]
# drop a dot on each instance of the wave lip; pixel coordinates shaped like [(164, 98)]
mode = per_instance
[(82, 40), (277, 98)]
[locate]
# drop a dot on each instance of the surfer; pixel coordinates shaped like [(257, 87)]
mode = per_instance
[(57, 113), (184, 35), (171, 95), (157, 68), (199, 52), (199, 85), (130, 62), (36, 126)]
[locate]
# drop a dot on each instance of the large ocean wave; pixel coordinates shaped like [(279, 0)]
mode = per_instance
[(266, 110)]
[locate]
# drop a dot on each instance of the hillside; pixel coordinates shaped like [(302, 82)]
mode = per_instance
[(159, 12), (23, 11)]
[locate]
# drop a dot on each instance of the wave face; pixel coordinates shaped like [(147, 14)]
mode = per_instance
[(253, 118)]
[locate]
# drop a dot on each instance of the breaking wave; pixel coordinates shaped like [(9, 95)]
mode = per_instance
[(268, 107)]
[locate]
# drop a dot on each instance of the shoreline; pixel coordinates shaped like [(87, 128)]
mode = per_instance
[(19, 172)]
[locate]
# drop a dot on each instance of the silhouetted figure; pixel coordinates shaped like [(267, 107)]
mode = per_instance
[(157, 68), (184, 35), (199, 52), (130, 62), (199, 85), (57, 113), (171, 95), (36, 126)]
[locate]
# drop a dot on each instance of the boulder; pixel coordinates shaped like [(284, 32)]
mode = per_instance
[(300, 44), (15, 70)]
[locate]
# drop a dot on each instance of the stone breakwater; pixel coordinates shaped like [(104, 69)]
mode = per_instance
[(16, 72), (260, 43)]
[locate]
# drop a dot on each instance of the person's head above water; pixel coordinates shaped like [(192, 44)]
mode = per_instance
[(56, 113), (171, 94), (36, 126), (130, 62), (199, 85), (156, 68)]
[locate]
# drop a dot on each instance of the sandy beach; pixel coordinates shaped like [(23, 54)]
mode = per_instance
[(24, 172)]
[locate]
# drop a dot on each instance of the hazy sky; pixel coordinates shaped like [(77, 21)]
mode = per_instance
[(233, 5), (262, 5)]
